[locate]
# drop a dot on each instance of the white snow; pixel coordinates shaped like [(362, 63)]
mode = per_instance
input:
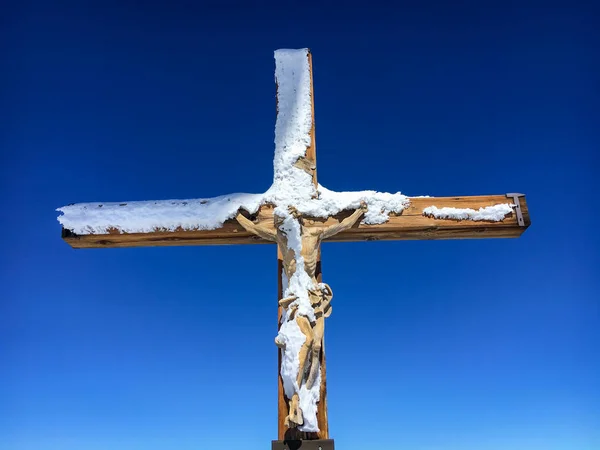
[(299, 283), (291, 186), (494, 213), (293, 339), (308, 399), (211, 213), (380, 204), (148, 216), (292, 129), (289, 333)]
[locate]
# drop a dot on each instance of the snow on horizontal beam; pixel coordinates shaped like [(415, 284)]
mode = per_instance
[(495, 213), (411, 224)]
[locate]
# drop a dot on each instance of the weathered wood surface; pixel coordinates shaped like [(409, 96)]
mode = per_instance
[(311, 151), (410, 225), (283, 432)]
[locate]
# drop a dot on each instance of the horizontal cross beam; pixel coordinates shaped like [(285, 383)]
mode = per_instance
[(410, 225)]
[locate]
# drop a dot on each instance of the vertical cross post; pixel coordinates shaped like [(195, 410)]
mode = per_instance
[(283, 432)]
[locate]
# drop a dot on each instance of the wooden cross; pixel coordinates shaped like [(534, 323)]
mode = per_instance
[(416, 221)]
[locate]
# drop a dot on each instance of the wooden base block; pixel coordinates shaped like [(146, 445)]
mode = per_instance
[(317, 444)]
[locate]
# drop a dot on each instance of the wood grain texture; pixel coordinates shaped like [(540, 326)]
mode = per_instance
[(410, 225), (283, 432), (311, 151), (282, 400), (322, 417)]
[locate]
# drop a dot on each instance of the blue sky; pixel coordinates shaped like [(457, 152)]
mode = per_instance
[(466, 345)]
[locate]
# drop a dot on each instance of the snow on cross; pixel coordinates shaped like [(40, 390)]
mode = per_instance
[(297, 214)]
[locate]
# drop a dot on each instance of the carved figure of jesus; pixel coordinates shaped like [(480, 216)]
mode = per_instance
[(320, 295)]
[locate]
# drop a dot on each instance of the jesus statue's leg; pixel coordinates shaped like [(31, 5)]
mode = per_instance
[(295, 416), (318, 332), (303, 356)]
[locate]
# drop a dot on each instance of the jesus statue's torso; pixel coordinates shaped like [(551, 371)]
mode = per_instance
[(311, 239)]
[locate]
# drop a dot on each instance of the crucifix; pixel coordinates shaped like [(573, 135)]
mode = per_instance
[(297, 214)]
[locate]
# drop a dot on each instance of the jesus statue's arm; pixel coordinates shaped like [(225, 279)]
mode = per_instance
[(258, 230), (346, 223)]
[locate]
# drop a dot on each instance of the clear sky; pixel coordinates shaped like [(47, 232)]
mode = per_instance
[(458, 345)]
